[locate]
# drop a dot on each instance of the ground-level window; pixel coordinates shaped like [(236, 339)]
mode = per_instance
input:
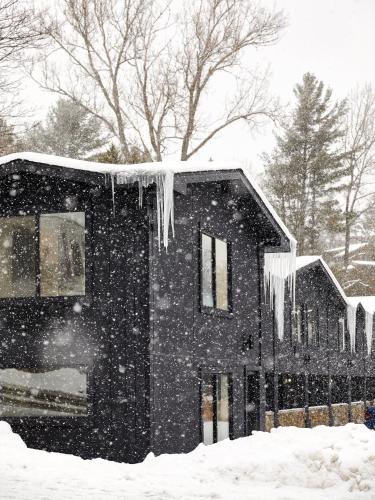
[(215, 407), (42, 255), (291, 391), (43, 392), (339, 389), (215, 268)]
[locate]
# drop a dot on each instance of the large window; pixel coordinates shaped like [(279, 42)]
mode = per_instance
[(43, 392), (42, 255), (215, 279), (215, 407)]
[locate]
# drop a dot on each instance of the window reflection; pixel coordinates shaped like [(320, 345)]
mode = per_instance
[(207, 409), (207, 281), (17, 256), (62, 254), (222, 407), (221, 268), (48, 392), (215, 407)]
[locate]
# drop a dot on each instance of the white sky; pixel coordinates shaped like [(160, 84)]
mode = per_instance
[(334, 39)]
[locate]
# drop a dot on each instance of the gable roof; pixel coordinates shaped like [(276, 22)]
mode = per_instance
[(307, 261)]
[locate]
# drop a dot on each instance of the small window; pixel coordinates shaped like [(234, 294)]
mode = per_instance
[(214, 273), (62, 254), (43, 392), (215, 407), (297, 324), (341, 335), (17, 257), (311, 326)]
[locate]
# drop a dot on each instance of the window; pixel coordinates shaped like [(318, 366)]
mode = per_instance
[(43, 392), (341, 335), (214, 273), (215, 407), (58, 270), (297, 324), (17, 256), (311, 325), (62, 254), (291, 391)]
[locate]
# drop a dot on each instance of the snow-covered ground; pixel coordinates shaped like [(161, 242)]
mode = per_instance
[(286, 464)]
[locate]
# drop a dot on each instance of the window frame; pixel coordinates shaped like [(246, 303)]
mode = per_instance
[(37, 295), (213, 310), (60, 420), (213, 375)]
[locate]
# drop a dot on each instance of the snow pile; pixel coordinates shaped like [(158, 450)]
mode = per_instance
[(288, 463)]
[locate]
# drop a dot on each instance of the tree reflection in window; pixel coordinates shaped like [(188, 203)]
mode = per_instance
[(17, 257), (62, 254)]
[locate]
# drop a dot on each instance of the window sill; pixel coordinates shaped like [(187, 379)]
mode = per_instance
[(216, 313)]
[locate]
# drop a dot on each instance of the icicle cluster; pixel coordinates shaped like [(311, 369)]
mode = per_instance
[(368, 329), (351, 314), (279, 270), (163, 179)]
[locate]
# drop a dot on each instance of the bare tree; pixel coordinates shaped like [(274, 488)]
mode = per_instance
[(149, 79), (359, 146), (19, 30), (214, 36), (98, 39)]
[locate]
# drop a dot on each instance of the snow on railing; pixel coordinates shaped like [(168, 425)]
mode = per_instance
[(279, 271)]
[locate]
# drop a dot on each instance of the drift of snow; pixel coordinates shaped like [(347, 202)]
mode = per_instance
[(288, 463)]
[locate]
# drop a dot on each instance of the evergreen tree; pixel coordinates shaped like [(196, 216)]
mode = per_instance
[(69, 131), (306, 167), (113, 155)]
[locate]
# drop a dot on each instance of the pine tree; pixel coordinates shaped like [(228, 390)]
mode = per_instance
[(306, 166), (69, 130)]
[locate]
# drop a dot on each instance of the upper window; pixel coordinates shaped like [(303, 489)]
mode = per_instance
[(58, 270), (43, 392), (214, 273)]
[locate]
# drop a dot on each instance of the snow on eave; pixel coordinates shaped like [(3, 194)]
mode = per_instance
[(146, 173), (307, 260)]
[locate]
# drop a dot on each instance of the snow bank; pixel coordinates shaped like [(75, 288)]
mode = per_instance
[(288, 463)]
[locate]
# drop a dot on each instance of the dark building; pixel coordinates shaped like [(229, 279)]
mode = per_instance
[(111, 344), (135, 311), (322, 368)]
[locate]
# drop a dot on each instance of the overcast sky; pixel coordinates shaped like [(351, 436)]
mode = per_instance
[(334, 39)]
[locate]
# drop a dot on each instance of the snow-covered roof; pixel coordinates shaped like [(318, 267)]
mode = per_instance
[(364, 262), (306, 260), (367, 302), (339, 251), (144, 172)]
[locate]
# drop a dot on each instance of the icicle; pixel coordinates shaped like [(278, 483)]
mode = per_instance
[(351, 314), (368, 329), (279, 269), (113, 193), (164, 181)]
